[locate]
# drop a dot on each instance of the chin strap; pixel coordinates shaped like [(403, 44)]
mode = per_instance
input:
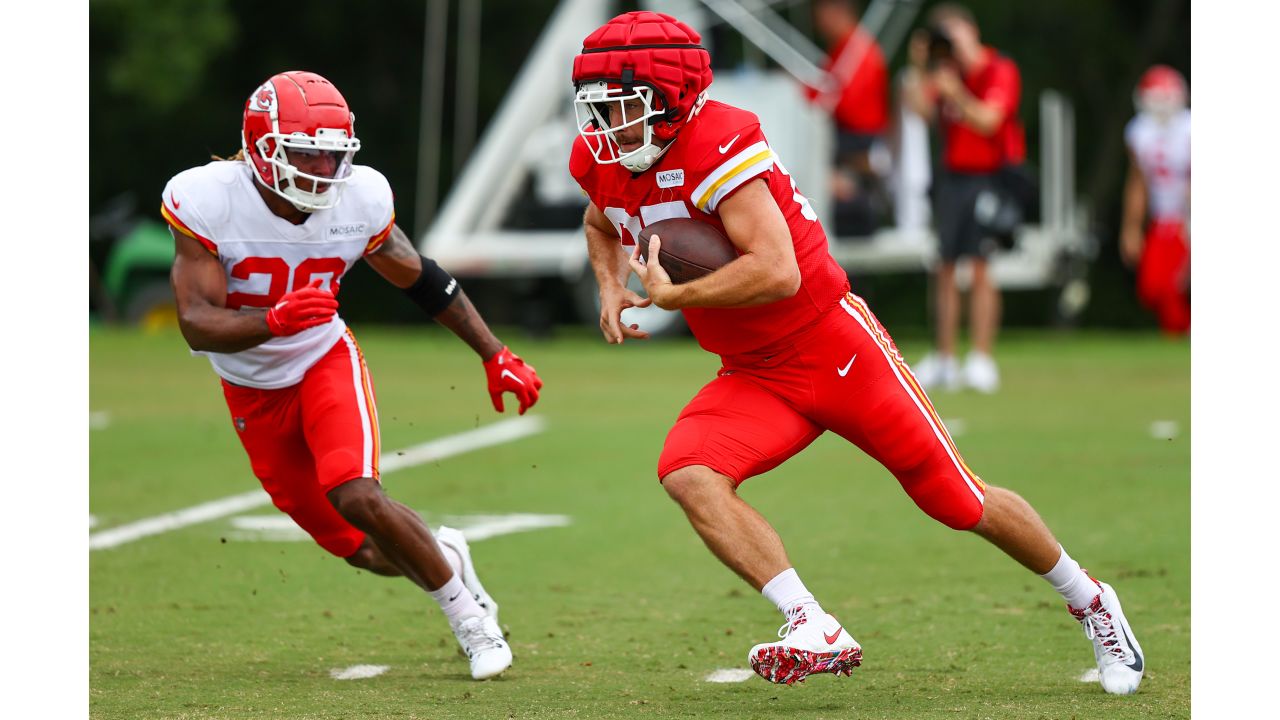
[(641, 160)]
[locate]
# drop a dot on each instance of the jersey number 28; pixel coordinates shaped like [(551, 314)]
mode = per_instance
[(279, 272)]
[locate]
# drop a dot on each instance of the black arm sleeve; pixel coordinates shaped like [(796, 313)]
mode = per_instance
[(434, 290)]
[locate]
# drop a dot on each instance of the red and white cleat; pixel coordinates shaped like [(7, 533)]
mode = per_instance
[(812, 642), (1120, 659)]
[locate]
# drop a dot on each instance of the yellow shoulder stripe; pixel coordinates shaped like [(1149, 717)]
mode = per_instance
[(711, 191)]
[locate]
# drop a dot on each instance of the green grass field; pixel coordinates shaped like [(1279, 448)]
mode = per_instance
[(624, 613)]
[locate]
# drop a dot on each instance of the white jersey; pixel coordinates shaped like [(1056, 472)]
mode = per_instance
[(266, 256), (1163, 151)]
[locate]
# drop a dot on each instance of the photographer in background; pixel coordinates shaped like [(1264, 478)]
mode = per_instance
[(972, 92)]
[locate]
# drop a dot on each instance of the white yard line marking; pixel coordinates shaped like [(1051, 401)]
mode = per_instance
[(495, 434), (92, 521), (498, 433), (99, 420), (266, 528), (172, 521), (1163, 429), (730, 675), (482, 527), (358, 672), (282, 528), (1090, 676)]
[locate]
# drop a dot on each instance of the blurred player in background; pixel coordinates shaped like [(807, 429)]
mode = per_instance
[(973, 93), (859, 104), (1158, 189), (801, 354), (262, 245)]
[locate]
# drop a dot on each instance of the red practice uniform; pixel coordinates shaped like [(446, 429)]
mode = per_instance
[(794, 368)]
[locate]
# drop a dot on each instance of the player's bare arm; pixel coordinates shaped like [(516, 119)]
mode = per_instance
[(611, 271), (765, 272), (1135, 207), (401, 265), (200, 289)]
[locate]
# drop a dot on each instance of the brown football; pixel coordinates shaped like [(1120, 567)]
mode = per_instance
[(690, 249)]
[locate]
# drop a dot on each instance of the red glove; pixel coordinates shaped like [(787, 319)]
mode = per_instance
[(508, 373), (301, 309)]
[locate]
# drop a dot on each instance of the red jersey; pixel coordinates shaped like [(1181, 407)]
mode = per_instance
[(996, 81), (717, 152), (864, 99)]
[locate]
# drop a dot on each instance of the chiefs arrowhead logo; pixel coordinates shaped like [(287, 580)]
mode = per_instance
[(264, 98)]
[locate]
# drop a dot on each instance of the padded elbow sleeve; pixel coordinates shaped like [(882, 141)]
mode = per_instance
[(434, 290)]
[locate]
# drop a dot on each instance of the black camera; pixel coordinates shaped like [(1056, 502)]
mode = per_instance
[(940, 48)]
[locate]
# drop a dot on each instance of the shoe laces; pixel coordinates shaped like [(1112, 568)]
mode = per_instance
[(796, 617), (478, 637), (1100, 627)]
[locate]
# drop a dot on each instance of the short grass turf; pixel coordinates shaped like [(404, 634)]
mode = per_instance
[(624, 613)]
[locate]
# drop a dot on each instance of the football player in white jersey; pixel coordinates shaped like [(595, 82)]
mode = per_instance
[(263, 241), (1158, 189)]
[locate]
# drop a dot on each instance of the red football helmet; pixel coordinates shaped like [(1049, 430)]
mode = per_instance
[(1162, 91), (645, 56), (293, 115)]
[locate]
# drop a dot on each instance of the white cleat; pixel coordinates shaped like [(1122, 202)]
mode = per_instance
[(1120, 659), (482, 640), (812, 642), (938, 372), (455, 540), (980, 373)]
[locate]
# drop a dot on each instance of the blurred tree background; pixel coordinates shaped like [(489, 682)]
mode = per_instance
[(168, 79)]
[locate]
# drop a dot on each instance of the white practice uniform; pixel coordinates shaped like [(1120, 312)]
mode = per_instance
[(266, 256), (1163, 152)]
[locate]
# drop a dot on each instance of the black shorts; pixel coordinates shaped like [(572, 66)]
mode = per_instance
[(954, 197)]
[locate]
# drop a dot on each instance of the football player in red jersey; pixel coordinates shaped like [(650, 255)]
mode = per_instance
[(800, 354), (295, 381)]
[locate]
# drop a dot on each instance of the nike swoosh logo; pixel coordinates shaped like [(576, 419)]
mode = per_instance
[(177, 204), (508, 373), (845, 370), (831, 639), (1136, 665), (725, 147), (455, 597)]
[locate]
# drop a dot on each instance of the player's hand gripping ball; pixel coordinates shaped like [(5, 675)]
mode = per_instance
[(508, 373), (690, 249)]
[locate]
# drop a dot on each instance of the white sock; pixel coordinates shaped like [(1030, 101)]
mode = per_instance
[(1072, 583), (456, 601), (786, 591)]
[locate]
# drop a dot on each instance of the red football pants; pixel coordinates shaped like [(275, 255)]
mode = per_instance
[(306, 439), (844, 374), (1164, 275)]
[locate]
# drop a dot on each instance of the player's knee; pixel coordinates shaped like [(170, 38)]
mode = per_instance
[(687, 485), (360, 502), (369, 557)]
